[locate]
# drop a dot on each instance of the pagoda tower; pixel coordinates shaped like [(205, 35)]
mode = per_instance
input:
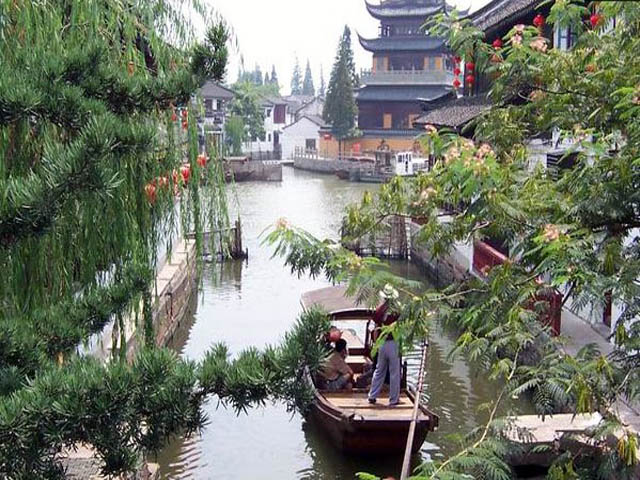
[(409, 65)]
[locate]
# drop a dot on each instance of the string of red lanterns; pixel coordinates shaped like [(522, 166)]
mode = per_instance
[(456, 72), (179, 177)]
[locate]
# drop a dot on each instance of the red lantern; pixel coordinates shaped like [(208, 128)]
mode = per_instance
[(185, 124), (470, 66), (497, 44), (202, 160), (539, 21), (595, 20), (174, 117), (176, 177), (185, 171), (457, 71), (456, 83), (150, 190), (185, 113), (471, 79), (457, 59), (326, 136)]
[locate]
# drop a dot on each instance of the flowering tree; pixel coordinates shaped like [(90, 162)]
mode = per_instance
[(576, 233)]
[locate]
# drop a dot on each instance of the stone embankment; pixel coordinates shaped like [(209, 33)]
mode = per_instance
[(242, 170), (322, 165)]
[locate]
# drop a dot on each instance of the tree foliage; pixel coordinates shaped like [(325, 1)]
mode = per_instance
[(90, 97), (124, 411), (340, 109), (247, 105), (296, 79), (307, 85), (576, 232)]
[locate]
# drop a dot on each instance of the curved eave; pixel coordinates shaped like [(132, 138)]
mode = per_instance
[(400, 44), (381, 12)]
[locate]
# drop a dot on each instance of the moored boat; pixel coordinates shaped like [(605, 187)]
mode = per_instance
[(353, 424)]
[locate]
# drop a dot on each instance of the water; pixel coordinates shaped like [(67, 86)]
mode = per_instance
[(253, 304)]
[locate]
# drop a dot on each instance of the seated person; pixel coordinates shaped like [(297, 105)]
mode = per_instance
[(335, 370)]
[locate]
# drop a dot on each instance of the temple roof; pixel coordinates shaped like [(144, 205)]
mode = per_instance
[(406, 8), (215, 90), (455, 113), (410, 43), (402, 94), (499, 13)]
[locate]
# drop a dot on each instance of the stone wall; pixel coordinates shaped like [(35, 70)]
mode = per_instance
[(266, 171), (322, 165)]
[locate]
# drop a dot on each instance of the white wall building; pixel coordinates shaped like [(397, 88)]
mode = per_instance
[(302, 134)]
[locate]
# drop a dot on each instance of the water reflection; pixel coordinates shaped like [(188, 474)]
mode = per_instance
[(252, 304)]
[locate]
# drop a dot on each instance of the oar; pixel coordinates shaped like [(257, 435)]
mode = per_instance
[(406, 465)]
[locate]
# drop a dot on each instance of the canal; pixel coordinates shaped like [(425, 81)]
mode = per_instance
[(252, 304)]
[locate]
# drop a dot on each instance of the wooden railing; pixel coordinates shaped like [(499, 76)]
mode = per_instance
[(485, 257)]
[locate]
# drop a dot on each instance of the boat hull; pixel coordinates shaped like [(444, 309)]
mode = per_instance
[(357, 436)]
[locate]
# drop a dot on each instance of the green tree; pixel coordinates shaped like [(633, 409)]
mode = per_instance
[(307, 86), (323, 86), (247, 105), (257, 75), (91, 95), (236, 134), (274, 77), (576, 232), (340, 109), (296, 79)]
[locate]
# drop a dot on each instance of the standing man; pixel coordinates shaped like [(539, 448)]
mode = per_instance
[(388, 354)]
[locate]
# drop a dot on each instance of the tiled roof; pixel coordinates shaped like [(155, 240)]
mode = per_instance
[(497, 13), (402, 94), (215, 90), (411, 43), (271, 100), (405, 8), (455, 113)]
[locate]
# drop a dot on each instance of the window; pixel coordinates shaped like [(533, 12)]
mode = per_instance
[(269, 137), (310, 144), (208, 104), (564, 38), (268, 113), (432, 63)]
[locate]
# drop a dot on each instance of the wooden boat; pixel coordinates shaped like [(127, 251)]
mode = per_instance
[(357, 427)]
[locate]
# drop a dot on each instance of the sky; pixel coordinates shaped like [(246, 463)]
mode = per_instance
[(274, 32)]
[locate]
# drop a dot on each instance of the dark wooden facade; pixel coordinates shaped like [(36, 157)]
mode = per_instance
[(408, 65)]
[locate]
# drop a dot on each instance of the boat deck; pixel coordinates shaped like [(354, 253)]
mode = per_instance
[(356, 403)]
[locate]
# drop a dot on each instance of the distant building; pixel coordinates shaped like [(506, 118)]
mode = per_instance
[(276, 117), (280, 112), (408, 65), (302, 135), (216, 99)]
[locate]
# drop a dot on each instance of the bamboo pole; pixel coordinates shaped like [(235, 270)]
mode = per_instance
[(406, 464)]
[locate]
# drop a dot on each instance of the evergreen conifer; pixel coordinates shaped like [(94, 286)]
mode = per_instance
[(323, 86), (296, 79), (308, 87), (340, 109)]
